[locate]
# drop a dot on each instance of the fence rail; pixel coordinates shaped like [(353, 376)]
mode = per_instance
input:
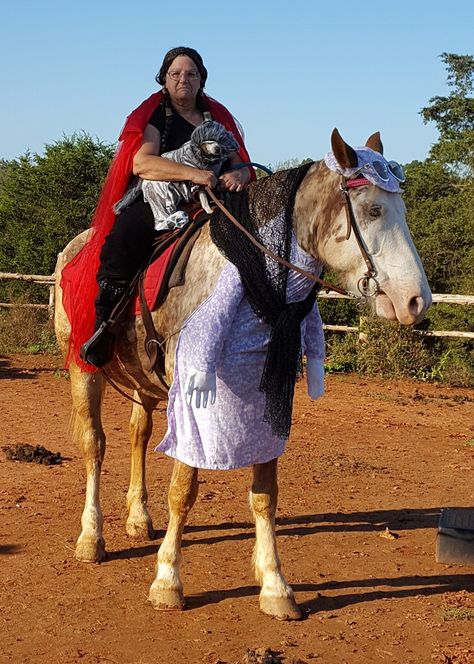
[(438, 298), (35, 278), (47, 280)]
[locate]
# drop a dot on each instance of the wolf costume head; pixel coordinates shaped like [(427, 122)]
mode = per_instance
[(209, 146)]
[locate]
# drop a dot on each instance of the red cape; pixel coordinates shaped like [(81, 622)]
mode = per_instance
[(78, 281)]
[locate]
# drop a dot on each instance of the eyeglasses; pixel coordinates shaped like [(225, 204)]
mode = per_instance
[(188, 75), (383, 170)]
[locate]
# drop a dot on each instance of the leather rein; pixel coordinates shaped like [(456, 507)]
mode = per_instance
[(363, 283)]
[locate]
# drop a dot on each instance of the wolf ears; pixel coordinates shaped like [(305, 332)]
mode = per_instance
[(347, 156)]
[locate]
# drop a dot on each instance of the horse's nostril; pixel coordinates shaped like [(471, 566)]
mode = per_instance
[(416, 305)]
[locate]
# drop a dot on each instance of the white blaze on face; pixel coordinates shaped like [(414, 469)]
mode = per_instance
[(381, 220)]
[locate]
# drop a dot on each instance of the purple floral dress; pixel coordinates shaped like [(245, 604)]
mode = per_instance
[(225, 336)]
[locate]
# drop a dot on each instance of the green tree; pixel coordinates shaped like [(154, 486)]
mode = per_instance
[(440, 201), (45, 200), (454, 116), (439, 213), (3, 171), (440, 191), (289, 163)]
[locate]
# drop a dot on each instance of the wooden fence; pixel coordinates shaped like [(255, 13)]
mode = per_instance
[(438, 298)]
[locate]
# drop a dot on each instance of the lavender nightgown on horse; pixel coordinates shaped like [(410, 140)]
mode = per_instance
[(225, 336)]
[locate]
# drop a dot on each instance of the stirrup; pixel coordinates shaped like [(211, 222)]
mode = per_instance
[(98, 350)]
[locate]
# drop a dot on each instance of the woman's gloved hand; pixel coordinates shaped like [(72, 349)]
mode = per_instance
[(204, 385), (315, 377)]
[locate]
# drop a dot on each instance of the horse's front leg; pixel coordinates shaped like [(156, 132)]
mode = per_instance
[(87, 391), (276, 596), (166, 591), (139, 523)]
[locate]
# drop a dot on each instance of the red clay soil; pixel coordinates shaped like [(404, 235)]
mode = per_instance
[(370, 455)]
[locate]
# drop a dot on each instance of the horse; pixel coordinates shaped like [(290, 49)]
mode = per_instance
[(319, 223)]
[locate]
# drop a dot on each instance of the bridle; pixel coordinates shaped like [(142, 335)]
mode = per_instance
[(363, 284)]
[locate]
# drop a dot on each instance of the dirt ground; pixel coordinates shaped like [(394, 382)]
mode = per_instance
[(370, 455)]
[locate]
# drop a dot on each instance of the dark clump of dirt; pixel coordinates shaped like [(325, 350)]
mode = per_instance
[(262, 656), (32, 454), (343, 463)]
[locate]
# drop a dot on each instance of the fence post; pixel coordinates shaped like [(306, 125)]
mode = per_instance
[(363, 329), (51, 302)]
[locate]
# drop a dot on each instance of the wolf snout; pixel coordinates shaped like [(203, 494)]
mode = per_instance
[(211, 148)]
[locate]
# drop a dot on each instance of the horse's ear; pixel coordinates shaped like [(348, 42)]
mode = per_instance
[(374, 143), (345, 155)]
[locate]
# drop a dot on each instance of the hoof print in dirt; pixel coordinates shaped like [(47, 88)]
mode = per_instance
[(32, 454)]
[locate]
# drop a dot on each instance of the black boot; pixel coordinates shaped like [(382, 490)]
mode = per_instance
[(99, 349)]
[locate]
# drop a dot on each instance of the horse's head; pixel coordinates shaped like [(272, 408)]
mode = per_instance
[(375, 252)]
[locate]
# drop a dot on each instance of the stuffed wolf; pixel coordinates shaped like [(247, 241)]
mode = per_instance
[(208, 148)]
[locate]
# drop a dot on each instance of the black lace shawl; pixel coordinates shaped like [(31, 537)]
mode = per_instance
[(265, 209)]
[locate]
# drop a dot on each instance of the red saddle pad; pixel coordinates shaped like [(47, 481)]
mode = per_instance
[(153, 279)]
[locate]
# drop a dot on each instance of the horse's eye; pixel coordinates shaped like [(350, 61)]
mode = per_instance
[(375, 211)]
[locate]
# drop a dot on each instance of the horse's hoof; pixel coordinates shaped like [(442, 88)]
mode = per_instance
[(89, 550), (166, 600), (281, 608), (140, 529)]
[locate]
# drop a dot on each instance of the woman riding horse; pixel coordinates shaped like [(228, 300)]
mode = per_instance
[(162, 123)]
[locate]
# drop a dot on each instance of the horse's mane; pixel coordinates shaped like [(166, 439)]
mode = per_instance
[(267, 196)]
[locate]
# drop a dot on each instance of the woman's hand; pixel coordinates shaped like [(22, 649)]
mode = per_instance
[(203, 178), (234, 180)]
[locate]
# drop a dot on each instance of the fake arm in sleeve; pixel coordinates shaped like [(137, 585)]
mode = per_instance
[(313, 346), (313, 335)]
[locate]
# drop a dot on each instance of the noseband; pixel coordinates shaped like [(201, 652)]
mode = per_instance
[(363, 284)]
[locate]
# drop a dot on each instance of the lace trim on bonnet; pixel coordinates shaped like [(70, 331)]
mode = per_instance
[(365, 156)]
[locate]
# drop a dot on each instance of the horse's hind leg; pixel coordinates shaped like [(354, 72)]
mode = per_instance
[(166, 591), (87, 390), (276, 596), (139, 523)]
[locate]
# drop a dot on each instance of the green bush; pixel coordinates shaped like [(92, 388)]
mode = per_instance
[(45, 200), (341, 354), (26, 330), (392, 351)]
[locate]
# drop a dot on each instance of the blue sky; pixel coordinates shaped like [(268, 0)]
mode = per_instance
[(289, 71)]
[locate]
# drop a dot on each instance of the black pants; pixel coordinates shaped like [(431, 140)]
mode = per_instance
[(129, 243)]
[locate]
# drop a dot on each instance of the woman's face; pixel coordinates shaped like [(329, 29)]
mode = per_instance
[(182, 79)]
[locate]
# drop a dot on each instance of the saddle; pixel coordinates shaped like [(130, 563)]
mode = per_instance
[(165, 269), (170, 255)]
